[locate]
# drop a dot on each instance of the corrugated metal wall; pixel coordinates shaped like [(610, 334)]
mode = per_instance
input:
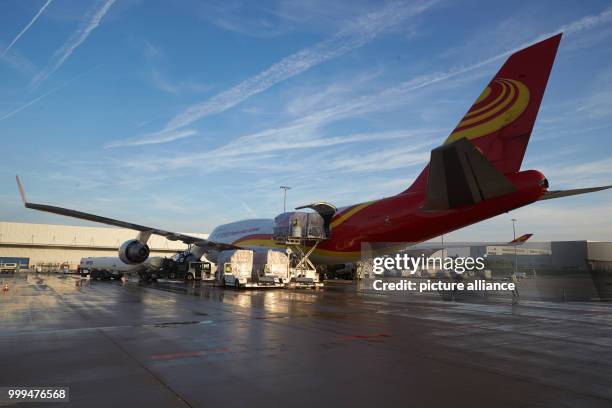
[(46, 243), (47, 234)]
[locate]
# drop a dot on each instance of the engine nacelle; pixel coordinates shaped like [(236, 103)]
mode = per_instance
[(133, 252)]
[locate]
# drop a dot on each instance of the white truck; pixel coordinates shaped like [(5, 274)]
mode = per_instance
[(107, 267), (242, 268), (271, 268), (235, 268), (9, 267)]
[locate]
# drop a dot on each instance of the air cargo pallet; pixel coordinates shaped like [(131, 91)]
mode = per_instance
[(229, 281), (258, 285), (296, 285), (304, 283), (252, 285)]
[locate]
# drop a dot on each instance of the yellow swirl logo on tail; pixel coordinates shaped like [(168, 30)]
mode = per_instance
[(500, 104)]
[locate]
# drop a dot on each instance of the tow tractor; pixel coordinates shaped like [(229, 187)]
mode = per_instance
[(179, 270)]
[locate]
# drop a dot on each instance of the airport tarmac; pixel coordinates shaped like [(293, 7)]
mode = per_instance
[(172, 345)]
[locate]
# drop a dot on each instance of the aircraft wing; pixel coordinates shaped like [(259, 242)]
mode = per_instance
[(172, 236)]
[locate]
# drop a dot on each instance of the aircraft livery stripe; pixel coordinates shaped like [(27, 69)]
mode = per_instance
[(349, 213)]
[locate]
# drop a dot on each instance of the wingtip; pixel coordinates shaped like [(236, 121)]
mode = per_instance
[(21, 191)]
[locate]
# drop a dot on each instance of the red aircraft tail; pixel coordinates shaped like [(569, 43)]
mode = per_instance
[(520, 240), (501, 119)]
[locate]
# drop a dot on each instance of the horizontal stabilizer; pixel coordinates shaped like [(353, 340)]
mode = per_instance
[(459, 175), (566, 193), (428, 248)]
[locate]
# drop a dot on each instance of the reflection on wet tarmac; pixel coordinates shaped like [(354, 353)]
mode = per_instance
[(154, 342)]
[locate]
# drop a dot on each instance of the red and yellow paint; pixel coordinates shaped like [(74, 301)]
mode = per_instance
[(499, 124), (501, 103)]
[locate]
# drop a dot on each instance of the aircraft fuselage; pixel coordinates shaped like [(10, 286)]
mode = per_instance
[(389, 223)]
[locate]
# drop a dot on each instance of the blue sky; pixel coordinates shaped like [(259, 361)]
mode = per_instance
[(184, 115)]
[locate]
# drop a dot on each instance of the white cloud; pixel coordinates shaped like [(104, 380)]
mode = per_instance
[(380, 160), (153, 138), (258, 151), (358, 33), (354, 35), (579, 174), (380, 101), (163, 84), (151, 50), (305, 101), (18, 62)]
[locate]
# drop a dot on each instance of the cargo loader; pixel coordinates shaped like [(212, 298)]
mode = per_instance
[(301, 233)]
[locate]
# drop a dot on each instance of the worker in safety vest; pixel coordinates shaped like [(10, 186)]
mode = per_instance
[(515, 292)]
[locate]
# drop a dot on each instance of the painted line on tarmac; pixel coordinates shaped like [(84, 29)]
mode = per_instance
[(18, 332), (185, 354)]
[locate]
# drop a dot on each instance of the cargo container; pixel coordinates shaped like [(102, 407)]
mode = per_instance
[(270, 267), (235, 268), (300, 225)]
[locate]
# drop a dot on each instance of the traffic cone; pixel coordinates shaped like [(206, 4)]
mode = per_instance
[(6, 288)]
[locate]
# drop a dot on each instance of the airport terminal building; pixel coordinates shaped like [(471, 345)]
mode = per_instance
[(47, 247)]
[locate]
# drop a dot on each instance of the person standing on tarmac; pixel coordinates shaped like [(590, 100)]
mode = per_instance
[(457, 278), (515, 292)]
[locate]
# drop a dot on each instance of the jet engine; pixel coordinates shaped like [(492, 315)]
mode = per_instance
[(133, 252)]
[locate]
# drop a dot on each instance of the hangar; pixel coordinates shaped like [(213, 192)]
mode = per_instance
[(48, 247)]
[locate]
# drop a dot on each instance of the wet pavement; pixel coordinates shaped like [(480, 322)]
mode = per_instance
[(171, 345)]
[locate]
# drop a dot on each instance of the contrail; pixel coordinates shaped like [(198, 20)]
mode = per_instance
[(354, 36), (74, 42), (33, 101), (27, 27), (583, 24), (52, 91), (370, 102), (154, 138)]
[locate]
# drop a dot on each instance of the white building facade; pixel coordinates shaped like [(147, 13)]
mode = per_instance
[(57, 246)]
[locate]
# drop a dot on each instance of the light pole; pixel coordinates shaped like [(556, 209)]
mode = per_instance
[(513, 239), (285, 197)]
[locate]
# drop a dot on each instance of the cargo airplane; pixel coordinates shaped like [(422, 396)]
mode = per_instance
[(474, 175)]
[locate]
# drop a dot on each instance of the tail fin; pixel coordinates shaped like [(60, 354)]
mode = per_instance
[(500, 121), (520, 240)]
